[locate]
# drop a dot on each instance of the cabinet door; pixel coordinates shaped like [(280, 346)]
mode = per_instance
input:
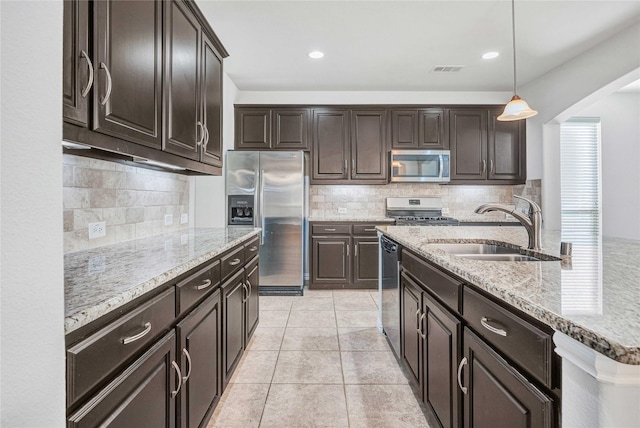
[(410, 313), (211, 92), (252, 303), (183, 127), (468, 139), (365, 262), (368, 145), (140, 397), (127, 99), (330, 144), (507, 149), (331, 260), (233, 296), (199, 350), (433, 130), (498, 395), (76, 65), (404, 129), (290, 129), (442, 348), (253, 129)]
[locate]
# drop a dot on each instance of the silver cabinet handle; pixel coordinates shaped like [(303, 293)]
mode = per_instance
[(206, 138), (205, 284), (370, 230), (418, 320), (460, 366), (347, 250), (85, 91), (143, 333), (329, 230), (175, 366), (353, 165), (106, 97), (484, 166), (234, 262), (246, 292), (355, 251), (420, 325), (199, 142), (345, 166), (485, 323), (186, 354), (250, 288), (491, 165), (253, 248)]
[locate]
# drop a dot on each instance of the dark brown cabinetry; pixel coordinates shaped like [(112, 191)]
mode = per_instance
[(252, 302), (410, 307), (77, 66), (368, 145), (331, 260), (484, 150), (365, 264), (330, 145), (419, 129), (272, 128), (211, 92)]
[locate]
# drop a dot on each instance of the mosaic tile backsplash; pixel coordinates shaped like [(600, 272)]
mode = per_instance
[(131, 201)]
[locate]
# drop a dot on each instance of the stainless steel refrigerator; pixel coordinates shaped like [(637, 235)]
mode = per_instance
[(268, 190)]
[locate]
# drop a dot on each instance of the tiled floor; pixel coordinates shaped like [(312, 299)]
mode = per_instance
[(318, 361)]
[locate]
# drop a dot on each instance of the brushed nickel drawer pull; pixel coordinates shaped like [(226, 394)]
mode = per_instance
[(253, 248), (326, 229), (106, 97), (485, 323), (175, 366), (85, 91), (418, 320), (420, 325), (234, 262), (370, 230), (246, 293), (205, 284), (462, 364), (202, 134), (143, 333), (186, 354), (249, 284)]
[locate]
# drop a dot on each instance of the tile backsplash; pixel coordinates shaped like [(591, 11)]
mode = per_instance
[(458, 201), (131, 201)]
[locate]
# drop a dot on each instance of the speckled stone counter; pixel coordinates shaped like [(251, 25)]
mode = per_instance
[(100, 280), (592, 297), (355, 219)]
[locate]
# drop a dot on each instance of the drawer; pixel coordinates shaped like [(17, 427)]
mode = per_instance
[(251, 248), (364, 229), (522, 342), (232, 261), (93, 359), (330, 229), (443, 286), (197, 286)]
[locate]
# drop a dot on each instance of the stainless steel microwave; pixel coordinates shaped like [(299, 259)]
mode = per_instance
[(420, 166)]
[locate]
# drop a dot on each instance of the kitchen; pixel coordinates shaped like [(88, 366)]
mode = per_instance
[(34, 214)]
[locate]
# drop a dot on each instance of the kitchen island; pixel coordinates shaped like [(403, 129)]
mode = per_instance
[(591, 300)]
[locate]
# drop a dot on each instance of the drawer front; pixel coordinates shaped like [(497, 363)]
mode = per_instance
[(251, 248), (364, 229), (197, 286), (446, 288), (93, 359), (524, 343), (232, 261), (330, 229)]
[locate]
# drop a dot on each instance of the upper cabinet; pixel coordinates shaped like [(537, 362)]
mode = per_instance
[(155, 86), (368, 145), (272, 128), (330, 144), (419, 129)]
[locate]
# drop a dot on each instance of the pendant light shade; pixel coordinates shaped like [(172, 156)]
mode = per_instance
[(517, 108)]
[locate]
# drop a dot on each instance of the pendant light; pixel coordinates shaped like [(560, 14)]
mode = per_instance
[(517, 108)]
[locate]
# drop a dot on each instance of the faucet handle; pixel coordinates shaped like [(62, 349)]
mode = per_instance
[(533, 207)]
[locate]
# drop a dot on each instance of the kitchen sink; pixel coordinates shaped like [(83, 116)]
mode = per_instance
[(491, 252), (500, 257)]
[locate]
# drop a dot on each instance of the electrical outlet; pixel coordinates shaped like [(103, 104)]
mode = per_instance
[(342, 210), (184, 218), (97, 230), (168, 219)]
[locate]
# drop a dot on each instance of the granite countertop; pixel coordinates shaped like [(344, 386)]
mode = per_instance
[(355, 219), (100, 280), (593, 296)]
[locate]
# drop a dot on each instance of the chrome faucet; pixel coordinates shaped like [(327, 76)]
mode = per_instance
[(531, 221)]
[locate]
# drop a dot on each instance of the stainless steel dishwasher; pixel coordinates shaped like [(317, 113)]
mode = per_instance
[(389, 287)]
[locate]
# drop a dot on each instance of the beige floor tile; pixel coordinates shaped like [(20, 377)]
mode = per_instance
[(276, 303), (266, 339), (308, 367), (317, 293), (241, 406), (357, 318), (273, 318), (350, 293), (310, 339), (362, 339), (363, 303), (255, 367), (371, 367), (375, 295), (383, 406), (309, 406), (312, 319), (313, 304)]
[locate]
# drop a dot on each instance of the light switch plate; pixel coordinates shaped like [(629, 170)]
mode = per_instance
[(97, 230), (342, 210), (168, 219), (184, 218)]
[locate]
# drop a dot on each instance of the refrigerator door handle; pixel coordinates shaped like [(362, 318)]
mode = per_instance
[(261, 205), (256, 200)]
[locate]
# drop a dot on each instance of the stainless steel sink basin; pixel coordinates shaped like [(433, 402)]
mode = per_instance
[(490, 252), (500, 257)]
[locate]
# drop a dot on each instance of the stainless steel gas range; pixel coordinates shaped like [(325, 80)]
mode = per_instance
[(425, 211)]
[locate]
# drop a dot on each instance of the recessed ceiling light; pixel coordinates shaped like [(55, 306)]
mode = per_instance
[(491, 55), (316, 54)]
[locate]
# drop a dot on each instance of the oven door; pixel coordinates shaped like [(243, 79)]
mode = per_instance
[(420, 166)]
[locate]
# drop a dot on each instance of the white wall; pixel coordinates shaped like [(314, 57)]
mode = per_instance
[(32, 306), (619, 115)]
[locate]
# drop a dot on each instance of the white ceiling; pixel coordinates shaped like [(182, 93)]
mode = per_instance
[(393, 45)]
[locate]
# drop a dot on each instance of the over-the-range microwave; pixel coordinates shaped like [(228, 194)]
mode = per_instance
[(420, 166)]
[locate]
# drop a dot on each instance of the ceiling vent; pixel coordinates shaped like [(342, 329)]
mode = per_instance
[(447, 68)]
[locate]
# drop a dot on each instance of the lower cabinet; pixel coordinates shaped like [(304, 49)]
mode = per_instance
[(331, 260), (252, 300)]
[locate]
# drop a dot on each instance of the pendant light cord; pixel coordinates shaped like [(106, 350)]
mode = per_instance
[(513, 28)]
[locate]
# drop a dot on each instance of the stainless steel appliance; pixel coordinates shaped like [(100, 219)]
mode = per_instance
[(418, 212), (267, 190), (389, 315), (420, 166)]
